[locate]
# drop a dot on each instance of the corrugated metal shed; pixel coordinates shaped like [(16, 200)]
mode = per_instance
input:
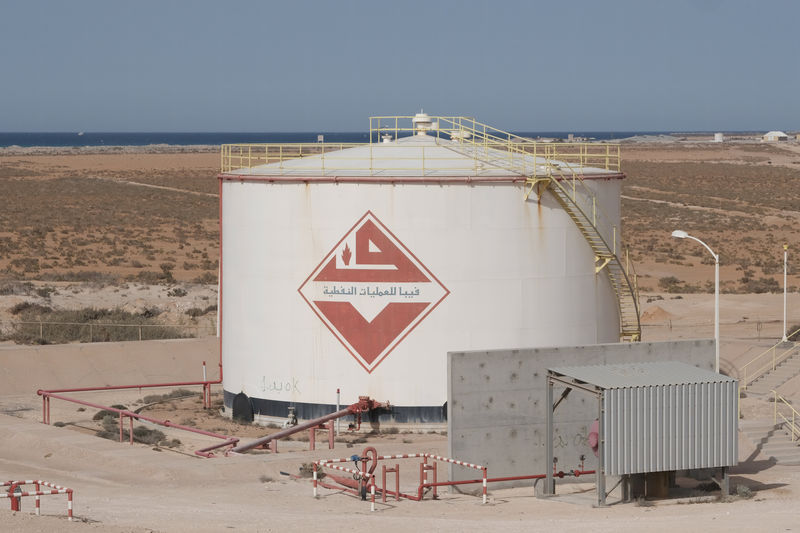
[(663, 416), (641, 374)]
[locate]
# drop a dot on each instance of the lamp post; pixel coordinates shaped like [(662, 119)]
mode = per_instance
[(680, 234), (785, 258)]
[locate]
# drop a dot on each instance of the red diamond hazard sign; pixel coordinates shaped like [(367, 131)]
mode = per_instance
[(371, 291)]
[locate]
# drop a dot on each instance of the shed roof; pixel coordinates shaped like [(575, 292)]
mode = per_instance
[(623, 376)]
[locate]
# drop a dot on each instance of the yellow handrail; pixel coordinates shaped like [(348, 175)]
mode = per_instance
[(546, 155), (548, 162), (462, 129), (560, 161), (750, 375), (795, 416), (236, 156)]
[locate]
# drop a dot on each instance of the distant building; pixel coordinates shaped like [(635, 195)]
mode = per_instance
[(773, 136), (719, 137)]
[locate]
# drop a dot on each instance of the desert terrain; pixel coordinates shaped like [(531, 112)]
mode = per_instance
[(127, 240)]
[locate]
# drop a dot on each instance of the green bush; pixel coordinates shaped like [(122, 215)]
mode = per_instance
[(86, 325), (45, 292), (29, 309), (177, 292), (17, 288), (177, 393), (140, 433), (672, 284), (147, 435), (195, 312), (206, 278), (103, 413), (760, 285)]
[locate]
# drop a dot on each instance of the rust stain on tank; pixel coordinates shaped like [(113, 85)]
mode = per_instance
[(542, 234)]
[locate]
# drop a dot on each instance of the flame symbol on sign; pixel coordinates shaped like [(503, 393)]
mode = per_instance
[(346, 254)]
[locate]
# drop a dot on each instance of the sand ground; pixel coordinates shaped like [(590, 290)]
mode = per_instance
[(140, 488), (120, 487)]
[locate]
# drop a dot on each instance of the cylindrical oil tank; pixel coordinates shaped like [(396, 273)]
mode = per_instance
[(358, 270)]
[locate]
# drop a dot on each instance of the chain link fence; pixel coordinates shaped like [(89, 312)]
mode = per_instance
[(46, 332)]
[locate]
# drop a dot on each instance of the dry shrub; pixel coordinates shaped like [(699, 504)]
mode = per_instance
[(64, 326)]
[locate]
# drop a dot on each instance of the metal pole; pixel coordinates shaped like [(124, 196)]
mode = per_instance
[(600, 476), (337, 408), (548, 486), (726, 482), (785, 258), (680, 234), (775, 412), (716, 310)]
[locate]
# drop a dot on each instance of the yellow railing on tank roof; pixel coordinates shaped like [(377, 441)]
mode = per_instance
[(235, 156), (601, 155), (532, 157), (422, 160)]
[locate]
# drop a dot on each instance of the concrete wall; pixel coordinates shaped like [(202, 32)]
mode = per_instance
[(496, 403), (25, 369)]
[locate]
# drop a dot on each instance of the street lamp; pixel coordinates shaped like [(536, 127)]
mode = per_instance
[(785, 257), (680, 234)]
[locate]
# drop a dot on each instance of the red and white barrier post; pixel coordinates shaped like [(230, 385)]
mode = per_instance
[(484, 484), (38, 502), (315, 480), (15, 494)]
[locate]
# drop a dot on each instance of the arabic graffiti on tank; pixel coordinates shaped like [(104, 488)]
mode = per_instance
[(371, 291)]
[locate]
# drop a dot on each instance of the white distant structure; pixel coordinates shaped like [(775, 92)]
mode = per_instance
[(719, 137), (774, 136)]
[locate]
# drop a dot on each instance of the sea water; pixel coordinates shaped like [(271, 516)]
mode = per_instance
[(63, 139)]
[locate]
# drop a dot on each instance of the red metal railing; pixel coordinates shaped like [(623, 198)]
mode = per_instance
[(15, 494), (326, 422), (364, 403), (364, 478), (124, 413)]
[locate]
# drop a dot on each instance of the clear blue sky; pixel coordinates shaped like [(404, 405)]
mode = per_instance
[(328, 65)]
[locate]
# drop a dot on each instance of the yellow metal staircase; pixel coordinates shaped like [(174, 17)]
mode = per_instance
[(605, 258), (557, 168)]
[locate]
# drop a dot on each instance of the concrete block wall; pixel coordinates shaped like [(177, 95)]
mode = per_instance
[(496, 403)]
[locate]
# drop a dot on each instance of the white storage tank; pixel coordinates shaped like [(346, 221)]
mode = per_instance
[(358, 269)]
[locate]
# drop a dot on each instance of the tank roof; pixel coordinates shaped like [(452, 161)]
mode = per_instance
[(423, 156)]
